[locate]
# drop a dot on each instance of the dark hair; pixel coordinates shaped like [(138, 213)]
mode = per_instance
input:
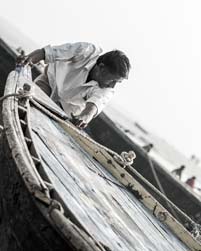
[(116, 62)]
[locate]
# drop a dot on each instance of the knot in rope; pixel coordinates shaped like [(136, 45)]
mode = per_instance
[(24, 92), (125, 158)]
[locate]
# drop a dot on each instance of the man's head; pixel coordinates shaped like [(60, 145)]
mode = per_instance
[(111, 68)]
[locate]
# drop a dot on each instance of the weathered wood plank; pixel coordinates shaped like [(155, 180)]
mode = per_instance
[(110, 213)]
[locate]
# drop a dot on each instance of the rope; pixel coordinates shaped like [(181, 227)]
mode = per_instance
[(188, 220), (17, 95), (160, 186), (196, 228)]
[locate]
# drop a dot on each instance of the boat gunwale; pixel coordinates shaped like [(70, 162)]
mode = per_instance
[(26, 167)]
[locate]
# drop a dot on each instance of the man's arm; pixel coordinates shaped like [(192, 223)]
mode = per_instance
[(85, 116), (34, 57), (37, 56)]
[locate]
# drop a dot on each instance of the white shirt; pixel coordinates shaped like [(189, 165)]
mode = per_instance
[(69, 65)]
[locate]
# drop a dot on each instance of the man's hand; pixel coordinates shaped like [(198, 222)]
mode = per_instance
[(32, 58), (37, 56), (83, 119), (22, 59)]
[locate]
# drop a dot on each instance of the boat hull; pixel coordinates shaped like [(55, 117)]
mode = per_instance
[(23, 225)]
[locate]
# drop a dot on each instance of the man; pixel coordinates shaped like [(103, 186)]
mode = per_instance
[(178, 171), (191, 181), (79, 79), (148, 147)]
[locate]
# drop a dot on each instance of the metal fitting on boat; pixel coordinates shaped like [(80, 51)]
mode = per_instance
[(162, 216), (125, 159), (26, 87)]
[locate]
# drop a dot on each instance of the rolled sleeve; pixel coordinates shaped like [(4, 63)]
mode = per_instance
[(67, 52), (100, 97), (48, 54)]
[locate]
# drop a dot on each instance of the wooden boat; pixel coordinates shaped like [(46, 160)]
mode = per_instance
[(61, 190), (106, 132)]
